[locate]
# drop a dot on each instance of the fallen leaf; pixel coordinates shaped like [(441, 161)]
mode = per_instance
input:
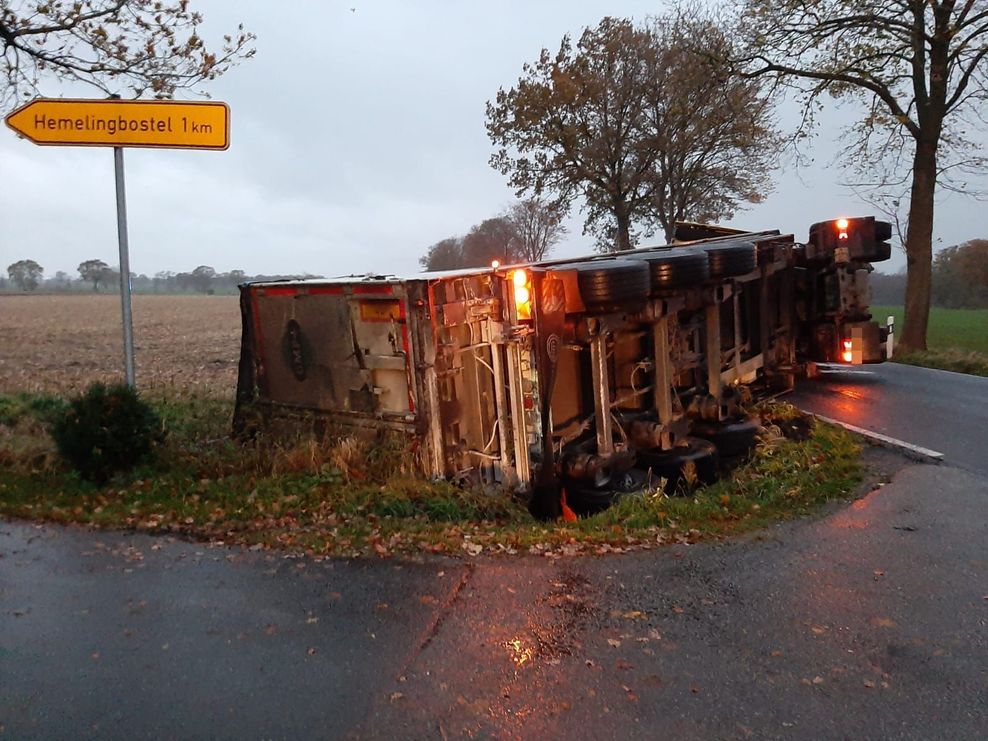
[(613, 642), (395, 696), (633, 615), (311, 652), (882, 622), (818, 630), (869, 683), (817, 680), (427, 599), (312, 620), (474, 549)]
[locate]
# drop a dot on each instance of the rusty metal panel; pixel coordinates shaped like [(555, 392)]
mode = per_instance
[(332, 350)]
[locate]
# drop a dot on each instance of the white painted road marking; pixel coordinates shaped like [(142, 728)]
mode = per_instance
[(914, 451)]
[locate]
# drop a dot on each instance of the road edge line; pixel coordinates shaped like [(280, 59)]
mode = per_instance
[(917, 452)]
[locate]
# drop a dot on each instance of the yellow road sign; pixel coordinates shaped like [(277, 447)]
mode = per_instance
[(123, 123)]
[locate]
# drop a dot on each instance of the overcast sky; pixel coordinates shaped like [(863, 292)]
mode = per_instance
[(357, 140)]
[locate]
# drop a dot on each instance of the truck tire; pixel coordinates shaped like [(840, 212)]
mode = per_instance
[(880, 252), (669, 464), (766, 252), (612, 285), (730, 260), (676, 268), (586, 499), (732, 438)]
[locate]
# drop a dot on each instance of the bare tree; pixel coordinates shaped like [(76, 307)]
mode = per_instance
[(919, 68), (538, 226), (641, 125), (141, 47)]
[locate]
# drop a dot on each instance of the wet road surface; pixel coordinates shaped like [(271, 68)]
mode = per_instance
[(870, 621), (935, 409)]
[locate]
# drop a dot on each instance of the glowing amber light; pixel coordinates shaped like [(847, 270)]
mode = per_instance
[(847, 356), (842, 224), (495, 264), (523, 295)]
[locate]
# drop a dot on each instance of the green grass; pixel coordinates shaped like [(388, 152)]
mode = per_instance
[(340, 496), (957, 339)]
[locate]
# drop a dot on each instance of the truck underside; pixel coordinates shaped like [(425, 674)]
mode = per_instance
[(595, 375)]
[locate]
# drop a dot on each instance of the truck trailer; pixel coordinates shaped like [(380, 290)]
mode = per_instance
[(581, 377)]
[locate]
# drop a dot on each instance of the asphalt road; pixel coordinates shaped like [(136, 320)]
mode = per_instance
[(868, 622), (940, 410)]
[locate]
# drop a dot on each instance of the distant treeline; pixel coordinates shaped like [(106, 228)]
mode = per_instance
[(960, 279), (97, 276)]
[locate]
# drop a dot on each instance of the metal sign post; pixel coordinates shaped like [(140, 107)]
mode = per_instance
[(128, 321)]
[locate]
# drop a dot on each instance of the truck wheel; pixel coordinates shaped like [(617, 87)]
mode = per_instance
[(729, 260), (881, 251), (612, 285), (732, 438), (669, 464), (766, 252), (677, 268), (586, 499)]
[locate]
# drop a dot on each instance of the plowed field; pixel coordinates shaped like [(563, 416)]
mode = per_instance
[(61, 343)]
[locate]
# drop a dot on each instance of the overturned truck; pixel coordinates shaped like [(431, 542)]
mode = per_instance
[(582, 375)]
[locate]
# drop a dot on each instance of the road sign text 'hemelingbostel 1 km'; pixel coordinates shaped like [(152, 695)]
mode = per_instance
[(124, 123)]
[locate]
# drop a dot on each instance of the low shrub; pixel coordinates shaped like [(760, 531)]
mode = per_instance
[(107, 429)]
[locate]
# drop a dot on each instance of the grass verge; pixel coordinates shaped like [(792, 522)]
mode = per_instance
[(957, 339), (345, 497)]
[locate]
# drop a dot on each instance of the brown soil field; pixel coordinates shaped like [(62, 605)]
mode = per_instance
[(60, 343)]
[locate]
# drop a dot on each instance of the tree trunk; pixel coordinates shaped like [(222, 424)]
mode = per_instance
[(919, 248), (623, 229)]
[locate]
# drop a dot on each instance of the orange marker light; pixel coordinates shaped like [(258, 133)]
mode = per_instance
[(847, 356), (523, 294), (842, 225), (495, 264)]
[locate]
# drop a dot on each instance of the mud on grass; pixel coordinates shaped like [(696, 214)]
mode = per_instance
[(345, 497)]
